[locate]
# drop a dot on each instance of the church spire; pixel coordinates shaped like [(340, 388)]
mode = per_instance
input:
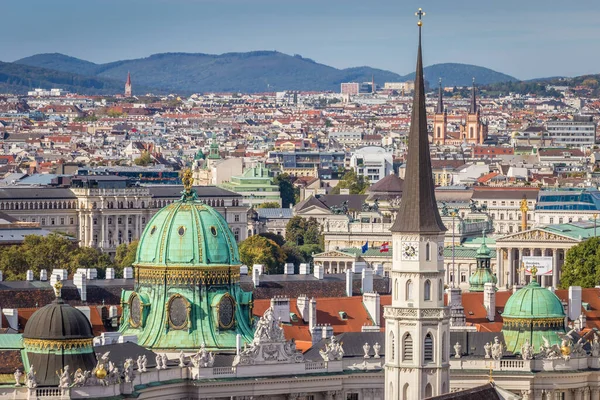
[(440, 105), (473, 109), (418, 211)]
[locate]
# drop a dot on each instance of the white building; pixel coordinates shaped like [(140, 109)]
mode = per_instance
[(580, 131), (373, 162)]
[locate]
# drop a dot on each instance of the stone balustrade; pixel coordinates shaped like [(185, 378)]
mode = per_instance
[(519, 365)]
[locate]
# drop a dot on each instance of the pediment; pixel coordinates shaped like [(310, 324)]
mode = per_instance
[(334, 254), (536, 235)]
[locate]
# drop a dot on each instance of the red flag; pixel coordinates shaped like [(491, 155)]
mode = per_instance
[(384, 247)]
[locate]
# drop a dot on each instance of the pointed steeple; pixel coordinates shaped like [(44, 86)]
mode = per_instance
[(473, 109), (128, 79), (440, 105), (418, 211)]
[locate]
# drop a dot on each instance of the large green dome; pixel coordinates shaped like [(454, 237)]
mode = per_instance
[(187, 233), (532, 313)]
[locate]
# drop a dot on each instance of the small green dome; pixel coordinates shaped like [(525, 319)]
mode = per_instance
[(533, 302), (480, 277), (532, 314), (187, 233)]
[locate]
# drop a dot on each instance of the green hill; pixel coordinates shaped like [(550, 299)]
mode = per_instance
[(256, 71)]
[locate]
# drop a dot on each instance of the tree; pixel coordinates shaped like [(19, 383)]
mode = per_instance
[(90, 257), (50, 252), (287, 191), (260, 250), (125, 255), (144, 159), (274, 237), (308, 250), (269, 204), (299, 231), (358, 184), (582, 265), (293, 255), (13, 263)]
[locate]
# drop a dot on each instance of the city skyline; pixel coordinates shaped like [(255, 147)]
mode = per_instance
[(522, 40)]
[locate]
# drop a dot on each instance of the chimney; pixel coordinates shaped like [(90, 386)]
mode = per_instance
[(372, 303), (86, 311), (574, 302), (489, 300), (110, 273), (12, 317), (127, 273), (281, 308), (303, 304), (80, 282), (256, 277), (326, 331), (1, 277), (358, 266), (288, 269), (316, 333), (259, 268), (312, 314), (244, 270), (367, 280), (378, 270), (29, 275), (319, 271), (349, 277), (62, 273), (113, 314), (304, 269), (457, 311), (43, 275)]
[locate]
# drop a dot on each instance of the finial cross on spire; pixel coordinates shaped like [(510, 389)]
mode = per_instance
[(420, 13)]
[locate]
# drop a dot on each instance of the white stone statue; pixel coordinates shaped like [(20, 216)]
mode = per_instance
[(550, 352), (158, 360), (268, 328), (64, 378), (144, 363), (30, 379), (595, 345), (128, 372), (181, 359), (79, 378), (139, 362), (526, 350), (165, 359), (457, 350), (18, 374), (203, 358), (332, 351), (376, 349), (488, 350), (497, 349), (366, 349)]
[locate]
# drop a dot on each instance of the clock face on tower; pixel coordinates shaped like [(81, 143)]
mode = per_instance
[(410, 250)]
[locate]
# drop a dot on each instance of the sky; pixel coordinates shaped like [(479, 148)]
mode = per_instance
[(525, 38)]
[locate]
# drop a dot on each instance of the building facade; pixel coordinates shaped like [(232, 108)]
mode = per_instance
[(578, 132)]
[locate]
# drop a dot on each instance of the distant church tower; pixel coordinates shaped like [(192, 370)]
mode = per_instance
[(128, 85), (440, 120), (475, 130), (417, 327)]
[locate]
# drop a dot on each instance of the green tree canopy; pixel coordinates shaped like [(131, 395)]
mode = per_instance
[(274, 237), (287, 191), (358, 184), (144, 159), (260, 250), (269, 204), (300, 231), (125, 255), (582, 265), (293, 255)]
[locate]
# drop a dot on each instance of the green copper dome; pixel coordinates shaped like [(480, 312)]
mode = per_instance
[(530, 313), (187, 233), (483, 274)]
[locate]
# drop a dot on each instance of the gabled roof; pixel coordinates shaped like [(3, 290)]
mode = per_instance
[(311, 201), (390, 184)]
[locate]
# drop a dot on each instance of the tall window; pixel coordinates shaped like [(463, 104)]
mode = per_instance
[(440, 290), (409, 290), (396, 289), (428, 349), (407, 348), (427, 290), (427, 251), (428, 390), (444, 346)]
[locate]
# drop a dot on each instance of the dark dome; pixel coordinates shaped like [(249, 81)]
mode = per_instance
[(58, 320)]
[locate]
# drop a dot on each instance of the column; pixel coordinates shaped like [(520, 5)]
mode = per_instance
[(499, 269), (103, 229), (91, 230), (555, 268), (511, 267), (116, 231), (82, 229), (126, 238), (594, 393), (578, 392)]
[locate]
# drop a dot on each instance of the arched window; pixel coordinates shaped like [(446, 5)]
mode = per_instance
[(428, 348), (407, 348), (427, 290), (444, 346), (392, 347), (471, 133), (409, 290), (440, 290), (439, 132), (395, 289), (427, 252), (405, 392), (428, 390)]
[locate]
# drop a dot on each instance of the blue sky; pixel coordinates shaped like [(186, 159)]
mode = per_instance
[(525, 38)]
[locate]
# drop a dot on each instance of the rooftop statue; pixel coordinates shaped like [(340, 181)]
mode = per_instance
[(333, 351)]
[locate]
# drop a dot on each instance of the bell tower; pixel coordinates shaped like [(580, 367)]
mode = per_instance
[(440, 120), (128, 85), (417, 326)]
